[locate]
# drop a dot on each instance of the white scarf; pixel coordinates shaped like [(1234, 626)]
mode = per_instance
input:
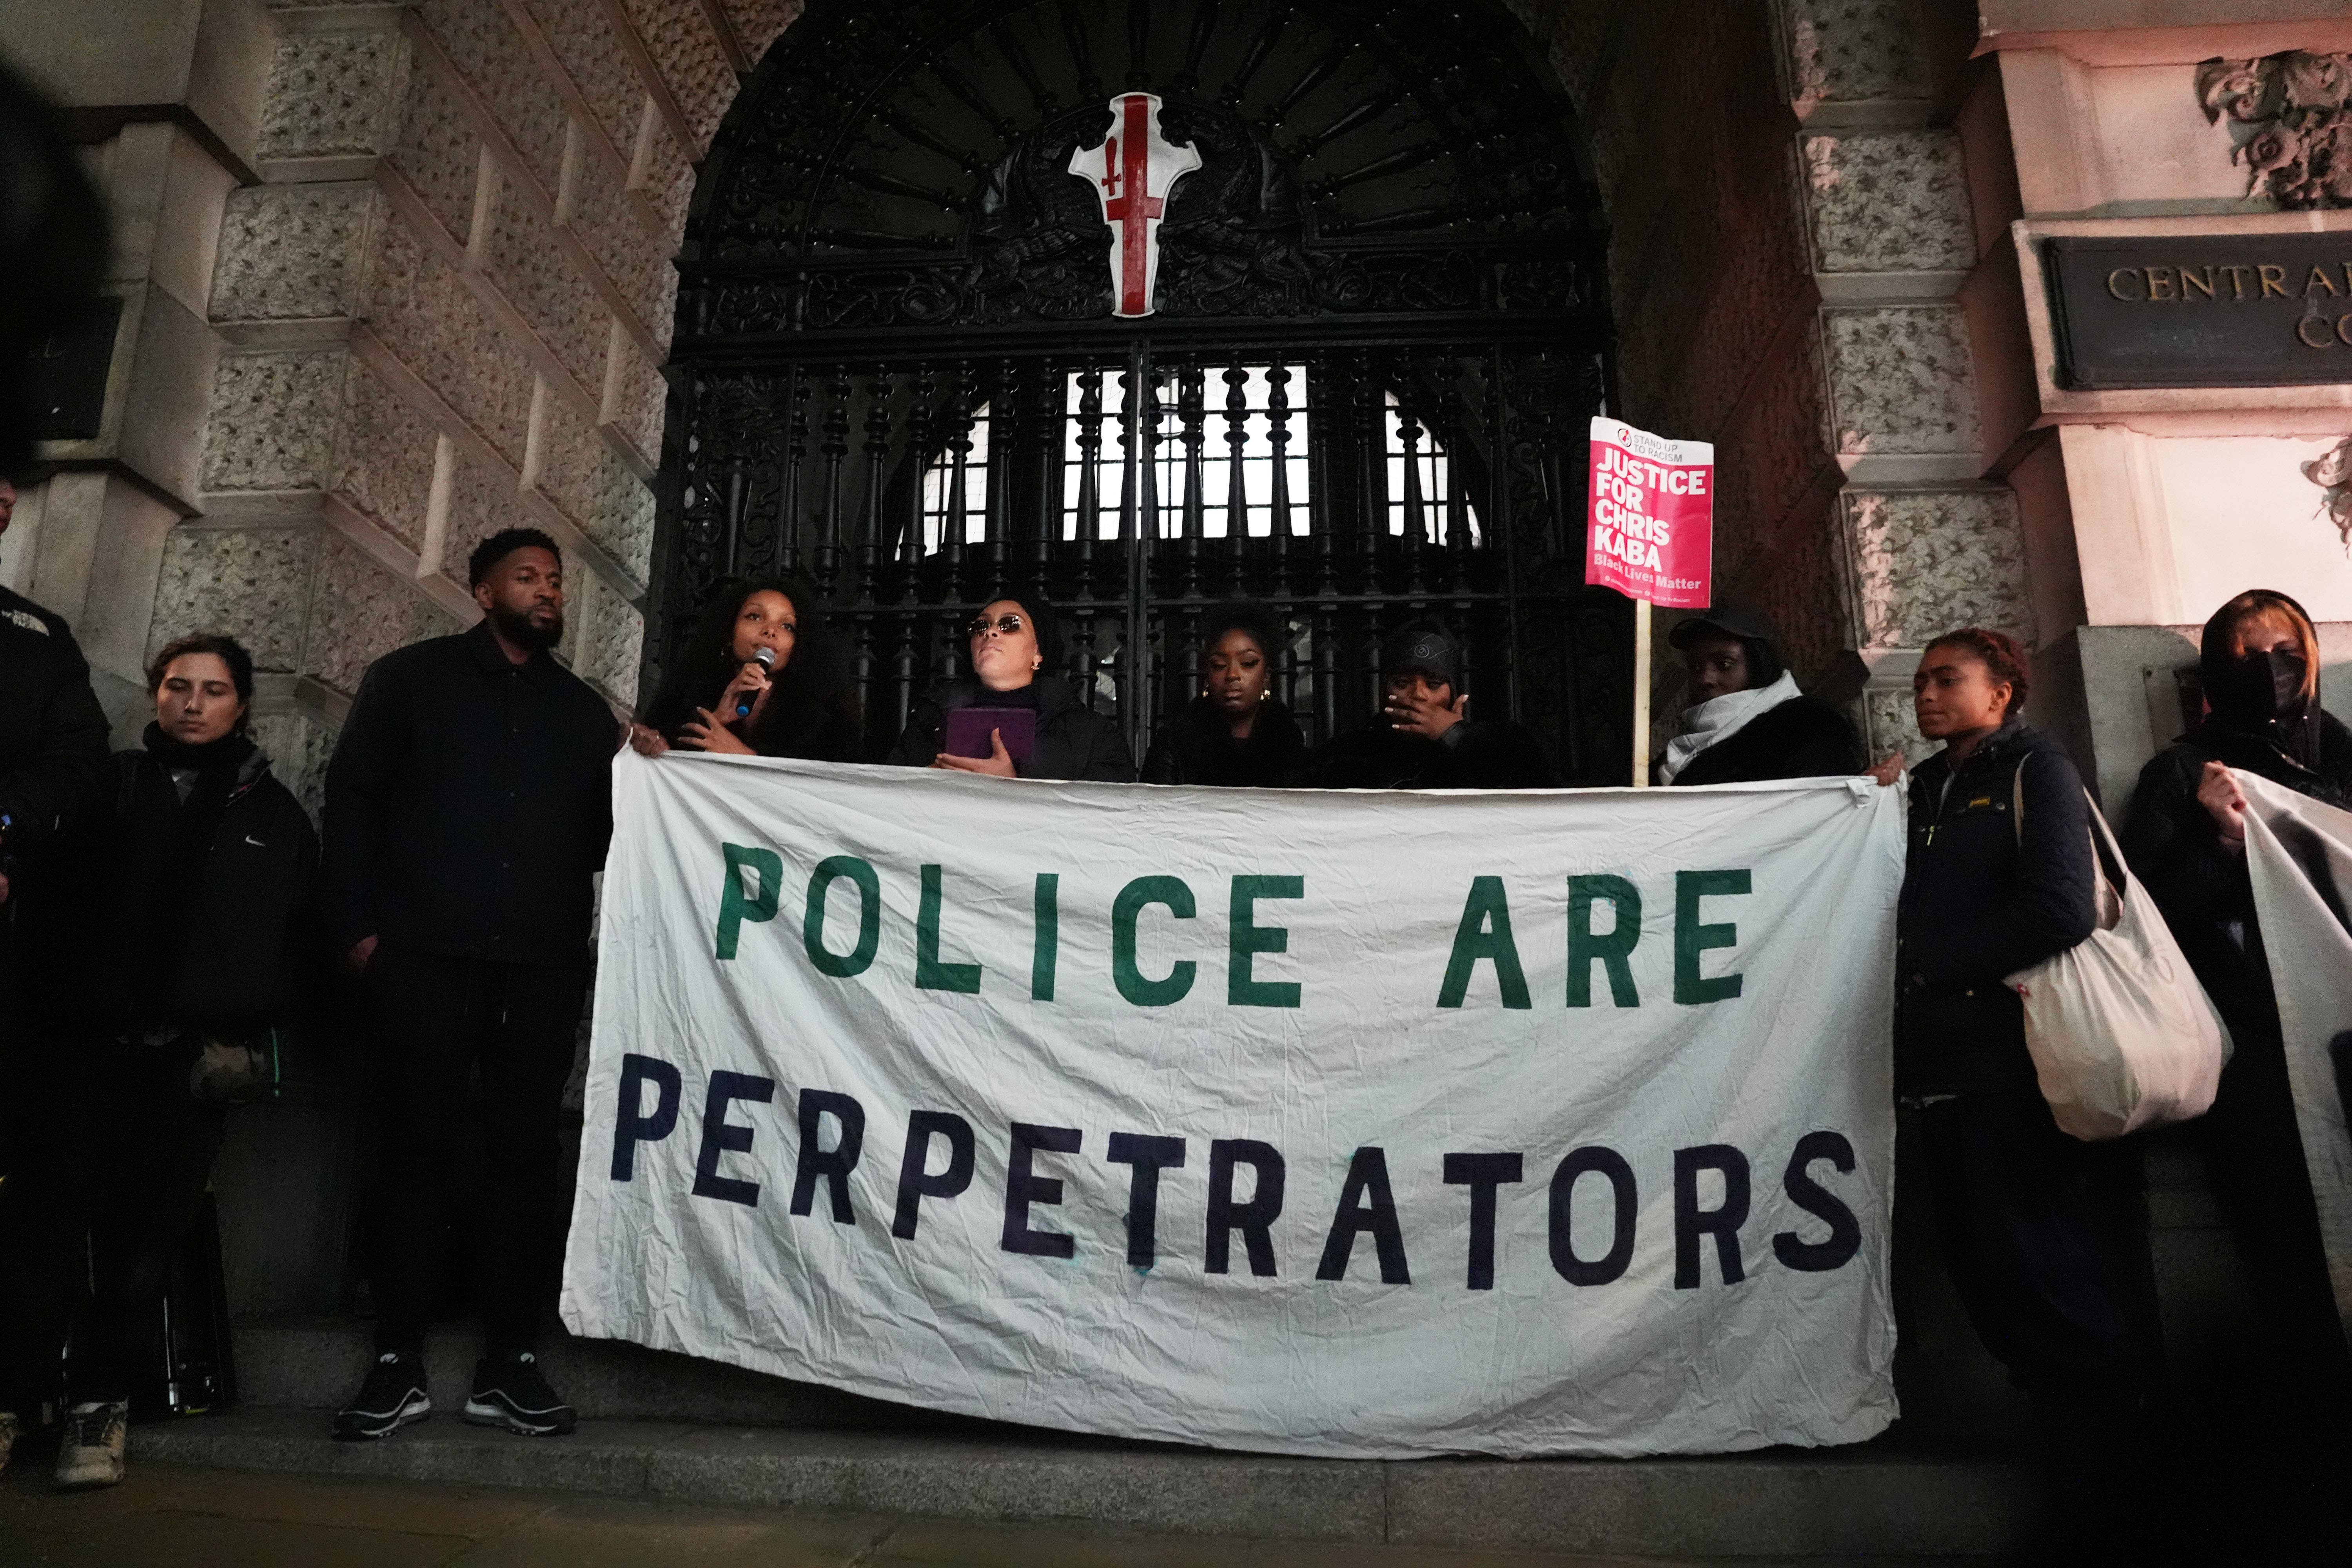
[(1718, 717)]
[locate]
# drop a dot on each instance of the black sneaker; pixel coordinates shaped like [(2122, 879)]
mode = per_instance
[(511, 1392), (392, 1396)]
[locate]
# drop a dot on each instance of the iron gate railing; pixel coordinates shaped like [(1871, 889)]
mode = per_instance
[(1346, 488)]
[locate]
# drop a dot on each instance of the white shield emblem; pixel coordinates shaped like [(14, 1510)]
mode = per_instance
[(1133, 173)]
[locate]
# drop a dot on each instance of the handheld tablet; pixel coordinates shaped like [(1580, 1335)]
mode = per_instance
[(967, 731)]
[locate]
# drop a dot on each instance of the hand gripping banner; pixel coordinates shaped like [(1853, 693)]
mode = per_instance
[(1343, 1123)]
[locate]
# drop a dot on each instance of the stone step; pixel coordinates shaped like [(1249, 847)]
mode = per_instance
[(1874, 1500), (315, 1363)]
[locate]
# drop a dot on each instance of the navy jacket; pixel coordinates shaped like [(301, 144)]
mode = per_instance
[(468, 803), (1979, 904)]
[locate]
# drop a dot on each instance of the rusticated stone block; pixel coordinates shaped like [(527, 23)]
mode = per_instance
[(1901, 380), (291, 252), (298, 746), (420, 311), (1888, 201), (481, 41), (580, 34), (639, 397), (368, 613), (482, 500), (605, 636), (523, 259), (683, 49), (635, 261), (384, 468), (758, 22), (272, 422), (666, 180), (254, 584), (1921, 562), (439, 152), (332, 94), (580, 472), (1845, 49)]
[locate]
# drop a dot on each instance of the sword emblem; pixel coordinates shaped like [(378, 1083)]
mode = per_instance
[(1133, 173)]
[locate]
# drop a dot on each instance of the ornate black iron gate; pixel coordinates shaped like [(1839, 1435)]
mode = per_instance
[(1363, 397)]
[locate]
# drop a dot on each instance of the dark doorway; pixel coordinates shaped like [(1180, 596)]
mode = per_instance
[(1363, 397)]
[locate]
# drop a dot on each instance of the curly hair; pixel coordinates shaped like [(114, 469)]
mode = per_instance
[(2003, 656)]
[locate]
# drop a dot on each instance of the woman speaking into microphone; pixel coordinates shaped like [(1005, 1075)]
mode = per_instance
[(756, 677)]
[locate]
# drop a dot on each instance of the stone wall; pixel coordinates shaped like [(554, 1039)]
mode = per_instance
[(1793, 220), (434, 308)]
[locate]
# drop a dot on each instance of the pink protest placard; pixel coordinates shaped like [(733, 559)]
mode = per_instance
[(1650, 532)]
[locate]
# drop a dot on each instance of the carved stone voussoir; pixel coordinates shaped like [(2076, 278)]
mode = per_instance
[(2290, 119), (374, 613), (1922, 563)]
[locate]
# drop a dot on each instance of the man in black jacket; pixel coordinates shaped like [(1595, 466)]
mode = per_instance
[(1746, 721), (469, 804), (1422, 737), (52, 768)]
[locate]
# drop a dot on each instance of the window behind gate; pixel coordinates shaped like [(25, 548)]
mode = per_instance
[(1361, 399)]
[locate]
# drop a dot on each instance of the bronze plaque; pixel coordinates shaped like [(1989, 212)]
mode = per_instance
[(2270, 309)]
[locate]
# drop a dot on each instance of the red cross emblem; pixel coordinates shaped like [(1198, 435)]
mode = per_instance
[(1133, 173)]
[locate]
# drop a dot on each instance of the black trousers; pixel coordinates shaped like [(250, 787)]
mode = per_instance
[(2254, 1157), (2014, 1214), (108, 1179), (440, 1021)]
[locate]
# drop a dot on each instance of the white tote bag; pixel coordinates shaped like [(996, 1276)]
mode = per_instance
[(2123, 1036)]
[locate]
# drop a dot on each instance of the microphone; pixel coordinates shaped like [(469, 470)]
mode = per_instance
[(765, 657)]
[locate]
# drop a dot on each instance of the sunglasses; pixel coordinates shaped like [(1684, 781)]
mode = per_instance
[(982, 626)]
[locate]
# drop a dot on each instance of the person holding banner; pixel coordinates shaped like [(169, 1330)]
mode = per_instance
[(1746, 721), (2186, 840), (757, 677), (1422, 737), (1009, 717), (1233, 732), (1986, 894)]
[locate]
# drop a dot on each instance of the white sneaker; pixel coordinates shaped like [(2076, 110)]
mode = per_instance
[(91, 1454), (9, 1427)]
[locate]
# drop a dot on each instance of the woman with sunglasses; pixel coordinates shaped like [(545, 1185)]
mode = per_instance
[(756, 677), (1011, 643)]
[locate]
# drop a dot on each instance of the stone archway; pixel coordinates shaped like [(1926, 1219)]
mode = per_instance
[(445, 300)]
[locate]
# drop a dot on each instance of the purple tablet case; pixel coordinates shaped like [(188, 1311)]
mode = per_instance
[(967, 731)]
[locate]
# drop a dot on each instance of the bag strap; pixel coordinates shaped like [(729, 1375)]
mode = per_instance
[(2017, 800), (2104, 848)]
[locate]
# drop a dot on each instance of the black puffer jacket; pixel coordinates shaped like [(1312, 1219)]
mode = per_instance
[(1072, 742), (197, 935), (1800, 739), (2204, 889), (52, 730), (1981, 900), (1197, 747)]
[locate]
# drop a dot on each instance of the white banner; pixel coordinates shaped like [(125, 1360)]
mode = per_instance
[(2300, 854), (1343, 1123)]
